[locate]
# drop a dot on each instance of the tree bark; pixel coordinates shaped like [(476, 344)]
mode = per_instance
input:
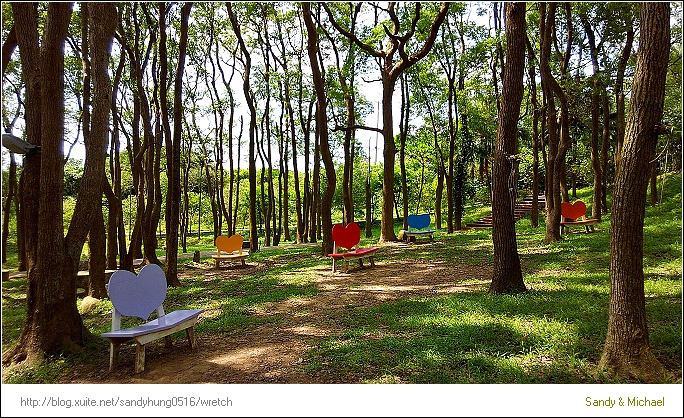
[(8, 48), (507, 269), (626, 352), (620, 95), (52, 322)]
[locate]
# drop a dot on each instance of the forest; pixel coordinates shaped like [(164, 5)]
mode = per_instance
[(276, 120)]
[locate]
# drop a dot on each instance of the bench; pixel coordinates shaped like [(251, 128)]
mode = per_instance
[(232, 247), (138, 296), (575, 214), (348, 237), (418, 226)]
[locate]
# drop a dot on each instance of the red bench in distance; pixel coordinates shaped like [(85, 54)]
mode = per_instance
[(348, 237)]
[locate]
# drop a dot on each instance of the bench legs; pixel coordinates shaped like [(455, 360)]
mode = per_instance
[(114, 349), (190, 332), (588, 228), (218, 263), (371, 259), (113, 355), (139, 358)]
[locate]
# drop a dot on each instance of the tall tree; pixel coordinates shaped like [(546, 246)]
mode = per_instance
[(253, 237), (627, 352), (597, 88), (321, 131), (52, 323), (507, 270), (390, 71), (558, 134), (173, 146)]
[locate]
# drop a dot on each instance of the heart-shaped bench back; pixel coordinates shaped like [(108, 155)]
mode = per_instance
[(573, 210), (419, 221), (346, 236), (228, 244), (138, 295)]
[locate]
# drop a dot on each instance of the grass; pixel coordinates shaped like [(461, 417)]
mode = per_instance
[(552, 334)]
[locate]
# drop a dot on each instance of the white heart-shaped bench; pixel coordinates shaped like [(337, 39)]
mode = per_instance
[(140, 295)]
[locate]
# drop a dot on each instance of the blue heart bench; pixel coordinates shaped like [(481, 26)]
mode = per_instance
[(139, 296), (419, 226)]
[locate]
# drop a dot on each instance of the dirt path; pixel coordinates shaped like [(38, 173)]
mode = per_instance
[(274, 351)]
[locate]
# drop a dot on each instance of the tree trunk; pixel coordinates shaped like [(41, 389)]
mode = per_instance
[(403, 134), (620, 95), (322, 131), (507, 270), (7, 205), (534, 213), (253, 233), (596, 90), (559, 136), (627, 352), (173, 147), (52, 322)]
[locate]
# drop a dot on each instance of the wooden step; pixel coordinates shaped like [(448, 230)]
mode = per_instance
[(521, 209)]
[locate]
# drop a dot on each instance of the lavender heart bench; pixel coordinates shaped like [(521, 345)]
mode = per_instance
[(419, 226), (575, 214), (348, 237), (229, 249), (139, 296)]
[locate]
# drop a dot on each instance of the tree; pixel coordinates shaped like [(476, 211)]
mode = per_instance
[(627, 353), (53, 324), (507, 270), (558, 136), (253, 237), (173, 144), (321, 131), (390, 71)]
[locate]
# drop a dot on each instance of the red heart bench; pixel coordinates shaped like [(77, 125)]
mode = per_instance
[(348, 237), (231, 246), (575, 214)]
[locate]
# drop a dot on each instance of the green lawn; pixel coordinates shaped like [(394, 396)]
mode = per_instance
[(554, 333)]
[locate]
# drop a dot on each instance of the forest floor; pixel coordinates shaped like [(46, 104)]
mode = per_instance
[(274, 351)]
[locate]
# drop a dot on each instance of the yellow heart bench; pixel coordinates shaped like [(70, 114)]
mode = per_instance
[(229, 249)]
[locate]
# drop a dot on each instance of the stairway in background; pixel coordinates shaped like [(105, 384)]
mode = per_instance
[(522, 208)]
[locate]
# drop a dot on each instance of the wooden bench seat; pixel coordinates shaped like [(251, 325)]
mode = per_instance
[(229, 249), (229, 257), (348, 237), (139, 296), (574, 214)]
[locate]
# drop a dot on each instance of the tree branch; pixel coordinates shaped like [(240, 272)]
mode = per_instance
[(354, 127), (369, 49)]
